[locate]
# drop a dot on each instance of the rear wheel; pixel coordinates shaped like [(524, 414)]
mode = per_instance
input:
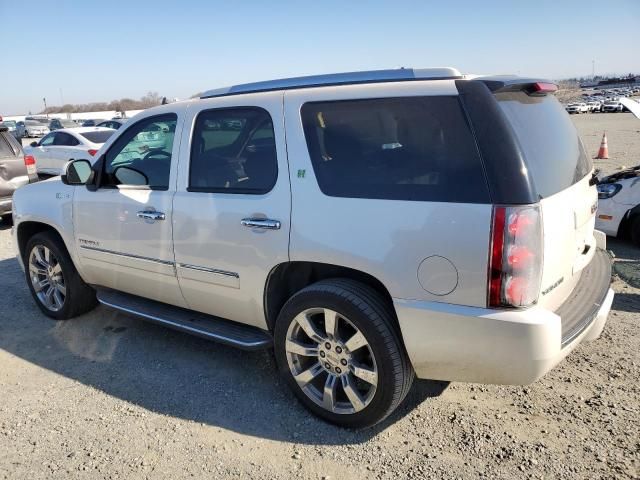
[(54, 281), (339, 350)]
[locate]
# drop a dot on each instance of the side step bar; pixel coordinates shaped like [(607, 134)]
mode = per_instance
[(199, 324)]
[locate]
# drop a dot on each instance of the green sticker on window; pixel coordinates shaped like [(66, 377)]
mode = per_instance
[(301, 173)]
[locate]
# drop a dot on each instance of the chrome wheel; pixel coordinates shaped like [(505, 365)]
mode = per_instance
[(46, 278), (331, 361)]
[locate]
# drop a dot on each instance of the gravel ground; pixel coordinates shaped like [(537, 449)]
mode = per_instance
[(108, 396)]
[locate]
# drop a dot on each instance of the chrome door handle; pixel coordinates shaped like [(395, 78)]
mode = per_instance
[(265, 223), (151, 215)]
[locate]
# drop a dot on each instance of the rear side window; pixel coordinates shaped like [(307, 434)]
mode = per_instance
[(233, 150), (553, 151), (97, 137), (415, 148)]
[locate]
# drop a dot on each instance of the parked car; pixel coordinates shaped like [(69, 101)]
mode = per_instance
[(114, 123), (577, 108), (619, 196), (58, 123), (31, 128), (60, 146), (11, 127), (612, 106), (595, 106), (332, 223), (91, 123), (16, 170)]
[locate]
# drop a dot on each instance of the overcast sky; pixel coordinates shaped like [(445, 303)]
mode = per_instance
[(89, 51)]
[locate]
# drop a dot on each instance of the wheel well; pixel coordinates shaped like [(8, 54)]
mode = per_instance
[(289, 278), (26, 230), (624, 229)]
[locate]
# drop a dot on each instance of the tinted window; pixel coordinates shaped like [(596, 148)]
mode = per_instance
[(97, 137), (66, 140), (553, 151), (233, 151), (142, 155), (6, 150), (417, 148)]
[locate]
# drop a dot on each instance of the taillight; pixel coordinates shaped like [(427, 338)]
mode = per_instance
[(542, 88), (30, 163), (92, 152), (515, 265)]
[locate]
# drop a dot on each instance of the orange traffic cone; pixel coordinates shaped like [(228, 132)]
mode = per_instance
[(603, 153)]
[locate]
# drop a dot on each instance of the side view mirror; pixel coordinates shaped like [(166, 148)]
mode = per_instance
[(77, 172), (34, 144)]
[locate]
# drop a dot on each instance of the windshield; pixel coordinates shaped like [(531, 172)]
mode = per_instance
[(8, 123), (100, 136), (553, 150)]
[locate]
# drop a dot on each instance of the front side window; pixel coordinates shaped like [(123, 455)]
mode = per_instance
[(233, 151), (48, 140), (141, 157), (407, 148)]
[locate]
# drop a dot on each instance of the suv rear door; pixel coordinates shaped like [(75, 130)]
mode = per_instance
[(560, 172), (232, 206)]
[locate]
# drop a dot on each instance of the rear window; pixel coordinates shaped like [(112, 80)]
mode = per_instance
[(555, 156), (8, 146), (98, 137), (416, 148)]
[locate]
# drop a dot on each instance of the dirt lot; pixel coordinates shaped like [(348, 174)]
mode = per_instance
[(108, 396)]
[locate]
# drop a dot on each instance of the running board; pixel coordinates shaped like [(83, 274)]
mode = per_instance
[(202, 325)]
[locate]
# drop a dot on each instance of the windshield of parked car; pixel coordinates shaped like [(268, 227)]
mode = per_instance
[(554, 153), (100, 136), (33, 123), (8, 123)]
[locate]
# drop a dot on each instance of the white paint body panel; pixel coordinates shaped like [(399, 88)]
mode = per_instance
[(208, 233), (121, 251), (387, 239)]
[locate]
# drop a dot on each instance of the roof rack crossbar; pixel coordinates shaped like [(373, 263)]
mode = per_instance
[(349, 78)]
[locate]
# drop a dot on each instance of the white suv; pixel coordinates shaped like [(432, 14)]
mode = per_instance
[(365, 225)]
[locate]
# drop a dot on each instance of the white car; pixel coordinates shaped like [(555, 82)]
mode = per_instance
[(619, 196), (60, 146), (611, 106), (577, 108), (33, 128), (368, 227)]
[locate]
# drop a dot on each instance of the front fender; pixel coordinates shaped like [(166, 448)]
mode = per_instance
[(50, 203)]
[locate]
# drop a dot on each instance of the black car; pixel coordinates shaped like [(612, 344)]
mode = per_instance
[(16, 170)]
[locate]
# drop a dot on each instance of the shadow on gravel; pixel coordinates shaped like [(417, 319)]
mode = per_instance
[(5, 225), (168, 372)]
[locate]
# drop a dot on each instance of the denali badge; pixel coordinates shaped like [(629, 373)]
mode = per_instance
[(558, 282), (88, 243)]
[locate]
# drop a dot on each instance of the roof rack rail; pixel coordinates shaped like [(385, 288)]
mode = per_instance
[(349, 78)]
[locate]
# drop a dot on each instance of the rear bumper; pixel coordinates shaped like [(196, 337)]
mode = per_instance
[(516, 347)]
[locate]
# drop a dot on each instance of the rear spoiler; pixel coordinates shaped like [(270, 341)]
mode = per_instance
[(532, 86)]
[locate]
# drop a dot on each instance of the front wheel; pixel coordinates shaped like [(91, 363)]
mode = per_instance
[(54, 281), (338, 347)]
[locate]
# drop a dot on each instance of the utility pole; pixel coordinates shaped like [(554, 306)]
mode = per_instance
[(45, 107), (593, 69)]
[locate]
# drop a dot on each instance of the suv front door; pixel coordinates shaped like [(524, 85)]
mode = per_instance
[(123, 230), (232, 207)]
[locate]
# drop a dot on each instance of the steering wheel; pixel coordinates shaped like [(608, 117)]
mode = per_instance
[(154, 153)]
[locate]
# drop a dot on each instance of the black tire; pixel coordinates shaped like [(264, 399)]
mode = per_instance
[(80, 297), (635, 230), (7, 219), (375, 319)]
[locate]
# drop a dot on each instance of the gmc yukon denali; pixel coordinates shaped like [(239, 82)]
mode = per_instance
[(369, 227)]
